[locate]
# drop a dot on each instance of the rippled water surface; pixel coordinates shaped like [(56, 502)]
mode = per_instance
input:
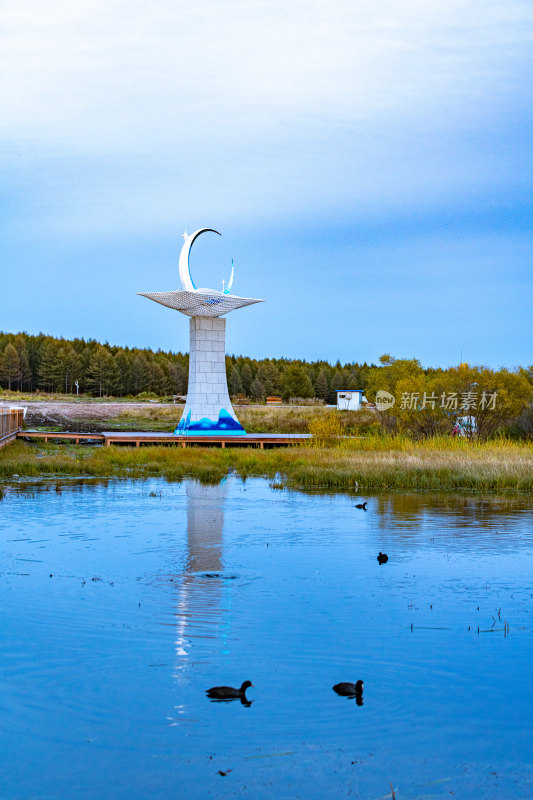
[(121, 602)]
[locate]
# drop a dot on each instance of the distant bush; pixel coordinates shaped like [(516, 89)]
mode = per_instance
[(521, 427)]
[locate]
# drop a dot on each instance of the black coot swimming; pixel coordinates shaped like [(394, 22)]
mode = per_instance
[(361, 505), (346, 689), (228, 692), (382, 558)]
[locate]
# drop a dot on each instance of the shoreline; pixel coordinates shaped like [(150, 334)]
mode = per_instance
[(488, 468)]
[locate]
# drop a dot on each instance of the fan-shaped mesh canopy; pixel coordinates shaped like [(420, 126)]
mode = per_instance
[(201, 303)]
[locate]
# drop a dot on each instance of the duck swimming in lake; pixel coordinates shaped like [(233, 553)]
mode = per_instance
[(382, 558), (228, 692), (361, 505), (346, 689)]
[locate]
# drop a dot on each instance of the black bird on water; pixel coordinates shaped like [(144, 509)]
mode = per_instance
[(351, 690), (229, 693), (361, 505), (382, 558)]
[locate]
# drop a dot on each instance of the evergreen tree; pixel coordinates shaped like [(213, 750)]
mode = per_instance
[(68, 367), (139, 374), (157, 378), (34, 346), (102, 371), (50, 372), (235, 384), (268, 375), (321, 385), (364, 373), (24, 375), (179, 379), (246, 377), (10, 366), (257, 389), (337, 382), (123, 372), (296, 383), (354, 379)]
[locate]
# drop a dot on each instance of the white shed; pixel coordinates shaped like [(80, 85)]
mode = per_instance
[(350, 399)]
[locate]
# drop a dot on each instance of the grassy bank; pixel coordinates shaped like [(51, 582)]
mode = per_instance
[(368, 464)]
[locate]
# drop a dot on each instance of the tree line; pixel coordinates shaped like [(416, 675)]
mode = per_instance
[(425, 398), (426, 401), (70, 366), (475, 401)]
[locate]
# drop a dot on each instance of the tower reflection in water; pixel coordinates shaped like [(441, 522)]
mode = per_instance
[(203, 603)]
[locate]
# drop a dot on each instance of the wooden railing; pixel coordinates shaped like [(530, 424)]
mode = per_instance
[(11, 420)]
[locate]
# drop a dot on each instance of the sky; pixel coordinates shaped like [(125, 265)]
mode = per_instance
[(369, 167)]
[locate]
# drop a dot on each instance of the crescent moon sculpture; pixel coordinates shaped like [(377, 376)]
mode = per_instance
[(191, 300), (185, 270), (208, 410)]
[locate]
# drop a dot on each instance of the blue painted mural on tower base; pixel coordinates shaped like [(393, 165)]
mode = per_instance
[(204, 427)]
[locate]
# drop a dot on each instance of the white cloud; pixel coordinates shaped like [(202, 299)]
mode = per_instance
[(105, 75)]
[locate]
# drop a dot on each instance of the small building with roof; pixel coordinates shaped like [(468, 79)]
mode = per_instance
[(350, 399)]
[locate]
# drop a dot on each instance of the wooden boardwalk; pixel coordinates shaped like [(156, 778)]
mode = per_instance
[(11, 420), (61, 436), (138, 438)]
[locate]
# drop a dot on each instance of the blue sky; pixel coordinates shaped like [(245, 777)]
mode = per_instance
[(370, 169)]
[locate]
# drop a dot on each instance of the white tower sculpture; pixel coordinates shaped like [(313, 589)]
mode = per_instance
[(208, 409)]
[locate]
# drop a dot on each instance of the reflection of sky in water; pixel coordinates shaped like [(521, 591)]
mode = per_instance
[(159, 591)]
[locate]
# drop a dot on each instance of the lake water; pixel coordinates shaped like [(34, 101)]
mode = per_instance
[(121, 602)]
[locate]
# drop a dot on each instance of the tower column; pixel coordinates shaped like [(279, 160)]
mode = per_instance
[(208, 409)]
